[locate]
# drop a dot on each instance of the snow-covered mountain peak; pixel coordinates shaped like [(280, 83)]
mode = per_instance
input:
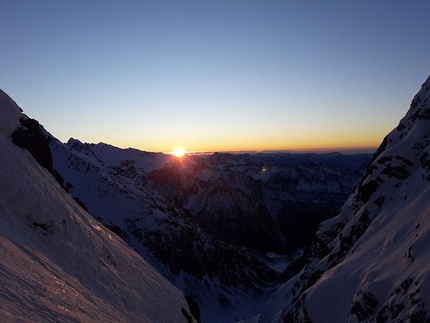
[(412, 131), (402, 151), (57, 263), (10, 114), (370, 263)]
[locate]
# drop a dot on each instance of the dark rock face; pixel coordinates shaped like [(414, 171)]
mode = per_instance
[(32, 138), (194, 308), (364, 305)]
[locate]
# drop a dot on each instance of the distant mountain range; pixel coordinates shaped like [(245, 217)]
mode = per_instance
[(234, 232), (207, 222)]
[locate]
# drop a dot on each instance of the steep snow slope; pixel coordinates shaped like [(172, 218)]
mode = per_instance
[(371, 262), (57, 264)]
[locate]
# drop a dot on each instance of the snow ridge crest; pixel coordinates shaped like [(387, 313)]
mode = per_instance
[(10, 114)]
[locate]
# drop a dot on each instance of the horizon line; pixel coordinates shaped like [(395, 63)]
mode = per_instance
[(344, 151)]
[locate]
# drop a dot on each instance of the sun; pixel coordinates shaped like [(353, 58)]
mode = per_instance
[(178, 152)]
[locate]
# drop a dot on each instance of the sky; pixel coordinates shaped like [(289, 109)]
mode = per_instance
[(237, 75)]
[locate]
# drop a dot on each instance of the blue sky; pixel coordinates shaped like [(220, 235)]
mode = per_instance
[(215, 75)]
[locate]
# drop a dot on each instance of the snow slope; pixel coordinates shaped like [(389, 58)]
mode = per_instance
[(57, 264), (371, 263)]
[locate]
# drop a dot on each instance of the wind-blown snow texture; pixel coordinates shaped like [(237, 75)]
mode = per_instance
[(371, 262), (57, 263)]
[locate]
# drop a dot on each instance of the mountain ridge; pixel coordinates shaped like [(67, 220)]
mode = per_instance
[(370, 263)]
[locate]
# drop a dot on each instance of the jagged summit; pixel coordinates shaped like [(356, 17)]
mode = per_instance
[(371, 262)]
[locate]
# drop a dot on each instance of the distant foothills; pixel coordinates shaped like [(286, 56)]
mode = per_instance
[(345, 151)]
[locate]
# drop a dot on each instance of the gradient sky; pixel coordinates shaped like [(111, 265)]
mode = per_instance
[(215, 75)]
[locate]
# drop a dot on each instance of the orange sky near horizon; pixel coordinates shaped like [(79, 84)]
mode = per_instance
[(216, 75), (335, 141)]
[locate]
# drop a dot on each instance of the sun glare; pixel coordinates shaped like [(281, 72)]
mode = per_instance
[(178, 152)]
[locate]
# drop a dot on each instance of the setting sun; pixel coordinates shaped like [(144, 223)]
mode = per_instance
[(178, 152)]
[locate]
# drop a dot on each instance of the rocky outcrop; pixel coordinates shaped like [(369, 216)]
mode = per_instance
[(31, 136)]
